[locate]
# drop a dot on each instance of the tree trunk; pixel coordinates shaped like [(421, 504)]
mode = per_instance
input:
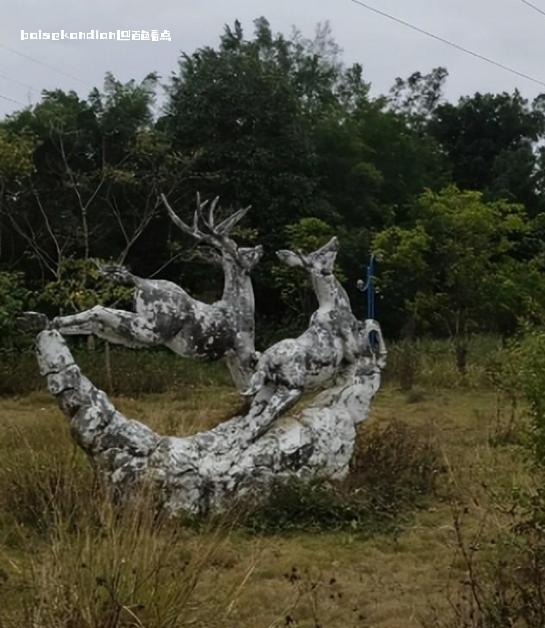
[(461, 350)]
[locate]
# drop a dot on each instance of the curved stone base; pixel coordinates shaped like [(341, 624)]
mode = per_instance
[(206, 471)]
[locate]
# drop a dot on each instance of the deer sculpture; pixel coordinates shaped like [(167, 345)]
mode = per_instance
[(165, 314), (334, 339)]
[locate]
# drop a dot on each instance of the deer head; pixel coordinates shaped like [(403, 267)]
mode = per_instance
[(116, 273), (217, 235), (319, 262)]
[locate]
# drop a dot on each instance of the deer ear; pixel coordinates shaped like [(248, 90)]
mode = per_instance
[(289, 258), (331, 246)]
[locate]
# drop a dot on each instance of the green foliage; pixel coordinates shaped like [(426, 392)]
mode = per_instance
[(282, 123), (452, 271), (14, 299), (15, 158), (81, 286), (488, 139)]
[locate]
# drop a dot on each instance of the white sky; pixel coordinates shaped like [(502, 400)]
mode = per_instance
[(506, 30)]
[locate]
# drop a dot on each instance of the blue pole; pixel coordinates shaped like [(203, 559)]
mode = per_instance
[(371, 288), (368, 286)]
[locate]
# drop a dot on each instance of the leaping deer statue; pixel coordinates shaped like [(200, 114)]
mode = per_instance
[(165, 314)]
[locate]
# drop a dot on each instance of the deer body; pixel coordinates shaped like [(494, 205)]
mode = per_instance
[(333, 340), (165, 314)]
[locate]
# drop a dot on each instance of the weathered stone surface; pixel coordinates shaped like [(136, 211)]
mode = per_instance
[(245, 454), (165, 314), (208, 470), (334, 338)]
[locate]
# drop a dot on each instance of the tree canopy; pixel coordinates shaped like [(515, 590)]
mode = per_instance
[(449, 194)]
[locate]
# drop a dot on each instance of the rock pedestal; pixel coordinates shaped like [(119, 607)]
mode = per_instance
[(243, 456)]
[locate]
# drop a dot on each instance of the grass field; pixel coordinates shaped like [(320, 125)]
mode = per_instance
[(59, 567)]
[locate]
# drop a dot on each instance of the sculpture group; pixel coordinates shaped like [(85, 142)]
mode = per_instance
[(246, 454)]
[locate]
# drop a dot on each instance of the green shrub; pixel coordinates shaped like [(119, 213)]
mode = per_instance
[(14, 299)]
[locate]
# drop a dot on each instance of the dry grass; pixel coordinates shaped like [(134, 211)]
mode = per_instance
[(57, 562)]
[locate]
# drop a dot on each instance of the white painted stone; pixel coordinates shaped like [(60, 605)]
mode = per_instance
[(246, 454)]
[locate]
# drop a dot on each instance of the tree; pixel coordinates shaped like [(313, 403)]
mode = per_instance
[(418, 96), (237, 108), (489, 140), (443, 272), (99, 166), (16, 166)]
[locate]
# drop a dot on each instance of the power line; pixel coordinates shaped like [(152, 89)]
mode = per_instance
[(8, 78), (17, 102), (450, 43), (533, 6), (45, 65)]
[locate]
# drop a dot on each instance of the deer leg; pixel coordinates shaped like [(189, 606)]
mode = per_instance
[(117, 326), (242, 360), (267, 407)]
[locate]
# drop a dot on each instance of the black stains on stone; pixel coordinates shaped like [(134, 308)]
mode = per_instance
[(297, 459)]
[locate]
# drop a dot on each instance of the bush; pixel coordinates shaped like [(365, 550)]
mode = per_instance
[(504, 581), (394, 467)]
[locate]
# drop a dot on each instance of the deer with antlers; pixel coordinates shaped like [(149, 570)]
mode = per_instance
[(165, 314)]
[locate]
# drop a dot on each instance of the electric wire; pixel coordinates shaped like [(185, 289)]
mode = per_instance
[(26, 85), (449, 43), (17, 102), (533, 6), (45, 65)]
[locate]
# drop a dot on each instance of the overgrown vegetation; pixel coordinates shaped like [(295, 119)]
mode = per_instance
[(72, 556), (504, 556), (394, 468), (318, 553), (447, 195)]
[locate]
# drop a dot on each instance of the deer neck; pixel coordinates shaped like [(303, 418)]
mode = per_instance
[(329, 292), (237, 288)]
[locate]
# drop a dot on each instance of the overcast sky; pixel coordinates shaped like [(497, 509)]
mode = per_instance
[(506, 30)]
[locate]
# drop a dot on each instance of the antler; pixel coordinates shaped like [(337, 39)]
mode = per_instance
[(193, 231), (215, 235)]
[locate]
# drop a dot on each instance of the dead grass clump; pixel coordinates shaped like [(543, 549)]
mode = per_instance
[(395, 458), (501, 561), (393, 469), (43, 477), (131, 567)]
